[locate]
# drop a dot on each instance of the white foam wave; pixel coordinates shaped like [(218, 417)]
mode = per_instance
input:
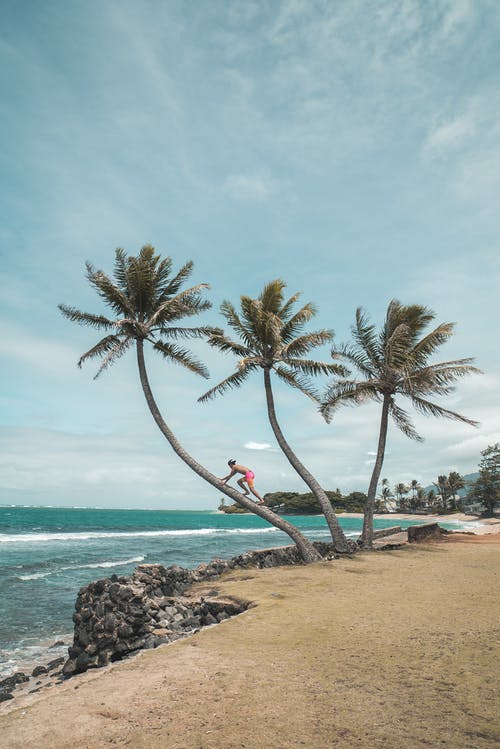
[(87, 535), (106, 565)]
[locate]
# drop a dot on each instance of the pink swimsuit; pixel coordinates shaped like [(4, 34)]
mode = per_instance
[(249, 475)]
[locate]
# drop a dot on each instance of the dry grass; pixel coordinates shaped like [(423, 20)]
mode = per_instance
[(391, 650)]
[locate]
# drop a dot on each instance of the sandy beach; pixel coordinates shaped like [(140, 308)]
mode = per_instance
[(388, 649)]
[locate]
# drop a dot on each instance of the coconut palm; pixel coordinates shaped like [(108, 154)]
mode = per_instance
[(147, 304), (395, 362), (272, 340), (455, 482), (401, 492), (443, 490), (386, 492)]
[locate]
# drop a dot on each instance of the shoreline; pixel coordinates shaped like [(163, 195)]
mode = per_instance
[(475, 525), (309, 674)]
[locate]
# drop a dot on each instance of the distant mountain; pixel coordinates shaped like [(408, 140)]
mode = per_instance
[(469, 479)]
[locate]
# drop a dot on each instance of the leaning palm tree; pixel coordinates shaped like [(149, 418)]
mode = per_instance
[(271, 340), (396, 362), (147, 304)]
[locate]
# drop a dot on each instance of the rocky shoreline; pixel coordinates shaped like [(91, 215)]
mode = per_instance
[(119, 616)]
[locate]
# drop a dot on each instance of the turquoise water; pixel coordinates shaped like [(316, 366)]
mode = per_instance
[(47, 554)]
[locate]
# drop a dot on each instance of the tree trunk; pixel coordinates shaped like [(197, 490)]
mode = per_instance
[(338, 537), (367, 534), (307, 551)]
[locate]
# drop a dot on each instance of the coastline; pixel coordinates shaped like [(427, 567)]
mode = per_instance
[(391, 649), (475, 523), (44, 653)]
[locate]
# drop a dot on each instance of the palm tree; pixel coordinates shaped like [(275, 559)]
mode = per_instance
[(444, 490), (271, 339), (147, 304), (455, 482), (386, 492), (401, 492), (396, 362)]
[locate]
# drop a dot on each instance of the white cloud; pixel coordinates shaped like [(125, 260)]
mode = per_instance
[(258, 446), (449, 136)]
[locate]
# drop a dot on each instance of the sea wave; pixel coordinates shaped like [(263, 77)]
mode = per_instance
[(6, 538), (121, 563)]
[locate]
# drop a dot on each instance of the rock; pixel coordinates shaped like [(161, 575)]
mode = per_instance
[(418, 533), (120, 615), (51, 665), (39, 670), (57, 644), (6, 696), (10, 683)]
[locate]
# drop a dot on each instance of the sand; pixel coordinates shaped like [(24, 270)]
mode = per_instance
[(388, 649)]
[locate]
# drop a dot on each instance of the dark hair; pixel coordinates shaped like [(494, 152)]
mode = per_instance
[(231, 462)]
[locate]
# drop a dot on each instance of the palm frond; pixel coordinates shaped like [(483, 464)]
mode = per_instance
[(427, 345), (141, 278), (271, 296), (225, 344), (365, 336), (86, 318), (181, 356), (233, 381), (295, 324), (102, 348), (120, 272), (437, 378), (185, 304), (348, 392), (251, 312), (306, 343), (403, 422), (356, 356), (200, 332), (286, 309), (396, 348), (114, 353), (432, 409), (109, 292), (234, 321), (296, 381), (314, 368)]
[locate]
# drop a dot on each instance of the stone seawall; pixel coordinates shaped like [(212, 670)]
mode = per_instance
[(121, 615)]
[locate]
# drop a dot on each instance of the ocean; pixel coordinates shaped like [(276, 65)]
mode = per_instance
[(48, 553)]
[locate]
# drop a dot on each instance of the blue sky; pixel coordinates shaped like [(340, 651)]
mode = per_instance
[(350, 148)]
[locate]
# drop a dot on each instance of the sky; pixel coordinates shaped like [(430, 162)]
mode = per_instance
[(351, 148)]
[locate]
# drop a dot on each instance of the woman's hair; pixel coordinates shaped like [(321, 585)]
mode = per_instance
[(231, 462)]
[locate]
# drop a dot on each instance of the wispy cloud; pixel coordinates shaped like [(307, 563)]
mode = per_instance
[(250, 187), (449, 136), (258, 446)]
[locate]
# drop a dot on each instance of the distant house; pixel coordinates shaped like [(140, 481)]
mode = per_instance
[(472, 506)]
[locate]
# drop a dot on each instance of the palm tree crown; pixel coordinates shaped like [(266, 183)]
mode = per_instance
[(271, 337), (396, 362), (148, 303)]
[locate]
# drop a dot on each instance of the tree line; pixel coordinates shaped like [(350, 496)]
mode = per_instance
[(269, 336), (443, 497)]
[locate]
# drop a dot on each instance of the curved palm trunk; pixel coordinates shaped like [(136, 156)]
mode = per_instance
[(307, 550), (367, 534), (338, 537)]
